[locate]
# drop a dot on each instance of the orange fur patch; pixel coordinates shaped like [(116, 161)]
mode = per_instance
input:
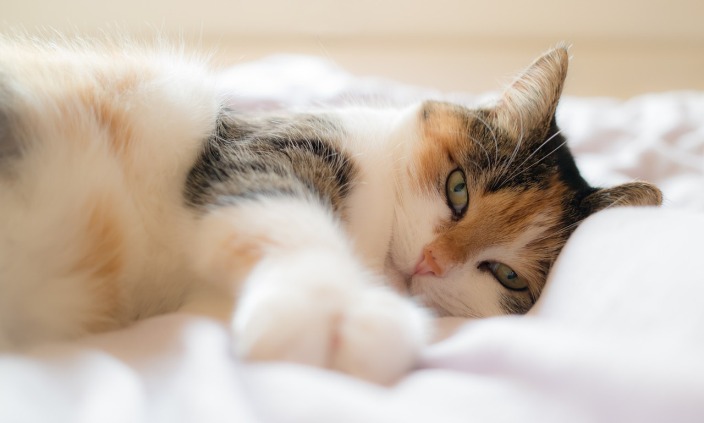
[(443, 127), (493, 219), (109, 109), (499, 219), (102, 263), (105, 99), (238, 255)]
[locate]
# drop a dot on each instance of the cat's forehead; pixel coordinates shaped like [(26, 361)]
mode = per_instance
[(474, 130), (493, 156)]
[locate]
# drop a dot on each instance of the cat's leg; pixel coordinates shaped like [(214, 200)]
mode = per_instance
[(302, 296)]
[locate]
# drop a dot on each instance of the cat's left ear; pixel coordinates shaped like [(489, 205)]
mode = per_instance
[(529, 103), (629, 194)]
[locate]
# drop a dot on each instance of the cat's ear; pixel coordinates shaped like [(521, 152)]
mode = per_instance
[(529, 103), (630, 194)]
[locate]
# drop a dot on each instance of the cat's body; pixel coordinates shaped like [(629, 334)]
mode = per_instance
[(128, 190)]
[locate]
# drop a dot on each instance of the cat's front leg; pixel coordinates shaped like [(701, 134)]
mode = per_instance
[(301, 294)]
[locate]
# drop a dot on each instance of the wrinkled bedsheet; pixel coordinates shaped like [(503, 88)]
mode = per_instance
[(618, 335)]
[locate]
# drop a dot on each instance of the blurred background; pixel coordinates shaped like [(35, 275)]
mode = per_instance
[(620, 48)]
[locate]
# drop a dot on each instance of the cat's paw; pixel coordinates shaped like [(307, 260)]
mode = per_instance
[(322, 309)]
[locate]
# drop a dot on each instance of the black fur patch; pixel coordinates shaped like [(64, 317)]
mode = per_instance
[(516, 304), (292, 155), (539, 153), (564, 160), (324, 151)]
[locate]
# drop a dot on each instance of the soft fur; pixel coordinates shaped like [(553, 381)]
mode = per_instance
[(128, 190)]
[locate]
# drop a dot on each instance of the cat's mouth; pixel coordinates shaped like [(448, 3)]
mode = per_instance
[(420, 285), (408, 279), (416, 290), (396, 277)]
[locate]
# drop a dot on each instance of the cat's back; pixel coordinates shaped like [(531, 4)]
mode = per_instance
[(96, 140)]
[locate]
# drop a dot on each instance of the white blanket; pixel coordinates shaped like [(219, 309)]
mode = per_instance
[(618, 334)]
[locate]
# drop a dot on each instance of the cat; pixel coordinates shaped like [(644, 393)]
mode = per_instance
[(330, 237)]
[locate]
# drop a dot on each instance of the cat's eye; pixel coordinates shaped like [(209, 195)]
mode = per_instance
[(506, 276), (456, 191)]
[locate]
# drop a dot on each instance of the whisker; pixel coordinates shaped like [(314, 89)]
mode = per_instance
[(467, 133), (521, 171), (451, 305), (556, 233), (493, 135), (506, 166), (479, 143), (486, 152)]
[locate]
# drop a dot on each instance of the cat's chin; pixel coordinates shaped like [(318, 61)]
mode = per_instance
[(437, 309), (412, 285), (420, 288), (415, 289)]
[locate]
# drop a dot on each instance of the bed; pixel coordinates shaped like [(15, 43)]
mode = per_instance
[(618, 334)]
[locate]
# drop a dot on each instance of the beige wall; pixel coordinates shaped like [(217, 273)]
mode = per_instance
[(620, 47)]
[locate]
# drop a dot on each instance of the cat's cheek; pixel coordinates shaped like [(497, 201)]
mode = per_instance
[(417, 218), (463, 292)]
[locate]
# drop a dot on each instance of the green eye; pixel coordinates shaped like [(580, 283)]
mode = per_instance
[(456, 191), (507, 276)]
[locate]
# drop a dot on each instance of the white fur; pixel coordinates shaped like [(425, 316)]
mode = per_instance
[(314, 295), (394, 233), (371, 205), (309, 300), (67, 167)]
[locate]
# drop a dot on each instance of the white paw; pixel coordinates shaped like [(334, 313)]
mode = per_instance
[(322, 309)]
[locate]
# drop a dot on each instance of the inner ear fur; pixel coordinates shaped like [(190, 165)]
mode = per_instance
[(529, 103), (629, 194)]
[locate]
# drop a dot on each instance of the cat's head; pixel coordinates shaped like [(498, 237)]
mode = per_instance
[(489, 196)]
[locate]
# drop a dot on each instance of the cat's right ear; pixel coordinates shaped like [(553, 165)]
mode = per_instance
[(629, 194), (529, 103)]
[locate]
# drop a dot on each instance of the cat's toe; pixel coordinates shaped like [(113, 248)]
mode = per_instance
[(379, 337), (358, 328), (283, 327)]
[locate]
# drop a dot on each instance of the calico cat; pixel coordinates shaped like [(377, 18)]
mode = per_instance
[(129, 190)]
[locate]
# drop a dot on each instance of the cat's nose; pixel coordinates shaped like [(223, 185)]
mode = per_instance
[(427, 265)]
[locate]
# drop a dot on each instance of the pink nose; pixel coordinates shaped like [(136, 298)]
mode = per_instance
[(427, 264)]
